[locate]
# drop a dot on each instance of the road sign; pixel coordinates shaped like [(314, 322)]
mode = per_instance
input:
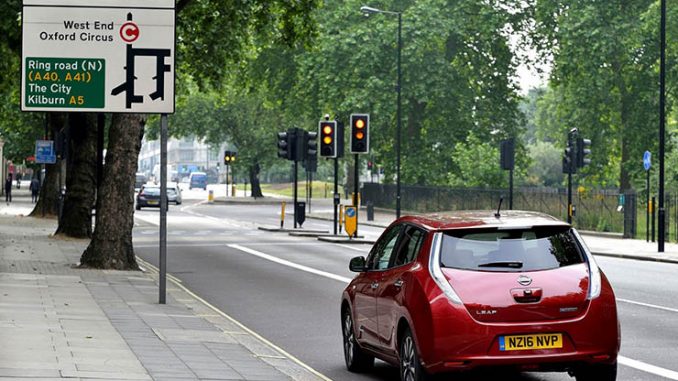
[(647, 160), (350, 220), (44, 152), (103, 56)]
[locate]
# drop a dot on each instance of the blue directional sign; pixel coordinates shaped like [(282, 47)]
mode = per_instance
[(647, 162), (44, 152)]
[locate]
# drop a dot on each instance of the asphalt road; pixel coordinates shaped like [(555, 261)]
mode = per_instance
[(287, 289)]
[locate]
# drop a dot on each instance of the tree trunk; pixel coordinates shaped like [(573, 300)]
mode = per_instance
[(76, 218), (48, 202), (111, 245), (254, 180)]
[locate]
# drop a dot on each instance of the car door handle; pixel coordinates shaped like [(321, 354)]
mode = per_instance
[(399, 283), (374, 285)]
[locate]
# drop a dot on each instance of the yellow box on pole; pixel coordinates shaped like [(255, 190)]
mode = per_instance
[(351, 220), (282, 215)]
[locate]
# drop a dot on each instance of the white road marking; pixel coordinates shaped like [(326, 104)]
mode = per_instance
[(671, 375), (352, 248), (290, 264), (669, 309)]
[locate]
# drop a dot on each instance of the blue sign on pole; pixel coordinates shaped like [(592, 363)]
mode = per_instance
[(44, 152), (647, 160)]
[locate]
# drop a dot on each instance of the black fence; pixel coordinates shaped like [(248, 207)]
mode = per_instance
[(598, 210)]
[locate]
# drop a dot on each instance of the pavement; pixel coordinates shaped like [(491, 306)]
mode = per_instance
[(61, 322)]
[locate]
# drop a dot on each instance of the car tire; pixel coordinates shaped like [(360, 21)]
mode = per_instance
[(138, 207), (356, 359), (597, 372), (410, 364)]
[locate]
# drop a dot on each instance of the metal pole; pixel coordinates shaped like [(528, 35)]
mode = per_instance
[(163, 207), (511, 189), (227, 166), (647, 208), (662, 124), (356, 187), (335, 199), (310, 192), (400, 26), (653, 209), (296, 165)]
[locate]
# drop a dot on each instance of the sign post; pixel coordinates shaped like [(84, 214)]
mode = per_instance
[(104, 56)]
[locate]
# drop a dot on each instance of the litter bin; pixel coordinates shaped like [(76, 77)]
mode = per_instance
[(300, 212), (370, 211)]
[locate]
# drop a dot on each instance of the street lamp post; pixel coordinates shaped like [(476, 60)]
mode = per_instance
[(662, 125), (367, 11)]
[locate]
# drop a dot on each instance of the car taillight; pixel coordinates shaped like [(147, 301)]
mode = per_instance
[(595, 283), (437, 273)]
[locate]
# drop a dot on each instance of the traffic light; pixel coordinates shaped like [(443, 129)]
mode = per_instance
[(360, 130), (328, 138), (507, 154), (229, 157), (286, 145), (569, 158), (583, 152), (311, 144)]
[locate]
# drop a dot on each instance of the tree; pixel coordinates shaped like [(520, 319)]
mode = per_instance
[(604, 79), (212, 36)]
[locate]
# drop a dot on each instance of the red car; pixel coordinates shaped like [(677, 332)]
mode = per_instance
[(470, 290)]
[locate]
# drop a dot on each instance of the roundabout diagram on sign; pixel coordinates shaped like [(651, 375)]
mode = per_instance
[(129, 32)]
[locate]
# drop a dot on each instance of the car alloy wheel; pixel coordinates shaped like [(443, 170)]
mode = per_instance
[(410, 366), (356, 359)]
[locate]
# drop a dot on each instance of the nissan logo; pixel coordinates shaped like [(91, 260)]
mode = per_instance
[(524, 280)]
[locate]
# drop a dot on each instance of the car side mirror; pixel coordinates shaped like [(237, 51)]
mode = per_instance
[(357, 264)]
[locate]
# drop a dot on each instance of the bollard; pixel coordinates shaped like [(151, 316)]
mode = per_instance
[(233, 189), (282, 214), (370, 211), (210, 197)]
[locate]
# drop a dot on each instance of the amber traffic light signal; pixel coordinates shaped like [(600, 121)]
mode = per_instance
[(328, 138), (360, 131), (229, 157)]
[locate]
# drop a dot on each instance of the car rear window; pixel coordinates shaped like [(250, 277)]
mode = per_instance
[(152, 191), (526, 249)]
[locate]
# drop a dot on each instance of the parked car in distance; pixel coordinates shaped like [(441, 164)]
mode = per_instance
[(139, 181), (149, 195), (197, 180), (174, 193), (470, 290)]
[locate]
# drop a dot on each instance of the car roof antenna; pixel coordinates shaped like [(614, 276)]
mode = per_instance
[(498, 214)]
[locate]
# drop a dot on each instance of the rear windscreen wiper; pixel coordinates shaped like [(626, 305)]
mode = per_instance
[(513, 264)]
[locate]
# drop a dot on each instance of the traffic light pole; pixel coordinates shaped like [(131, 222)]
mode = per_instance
[(336, 193), (511, 189), (569, 197), (296, 165), (356, 187), (227, 180)]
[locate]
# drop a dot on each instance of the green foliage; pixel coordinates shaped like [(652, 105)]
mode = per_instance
[(546, 165), (604, 81), (478, 165)]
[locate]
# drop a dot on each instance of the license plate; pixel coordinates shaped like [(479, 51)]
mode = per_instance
[(527, 342), (153, 203)]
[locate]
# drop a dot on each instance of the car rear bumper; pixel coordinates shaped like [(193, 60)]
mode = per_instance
[(460, 342)]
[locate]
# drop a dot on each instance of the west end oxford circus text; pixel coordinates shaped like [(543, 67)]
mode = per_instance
[(84, 36)]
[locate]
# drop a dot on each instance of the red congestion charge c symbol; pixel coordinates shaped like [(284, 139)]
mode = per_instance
[(129, 32)]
